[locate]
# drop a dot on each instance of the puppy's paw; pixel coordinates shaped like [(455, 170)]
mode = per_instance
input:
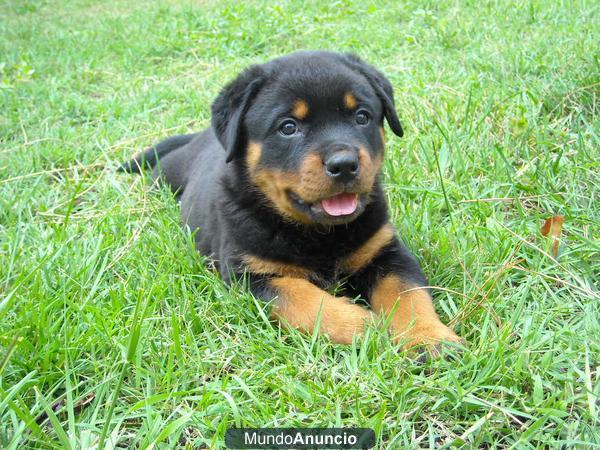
[(428, 336)]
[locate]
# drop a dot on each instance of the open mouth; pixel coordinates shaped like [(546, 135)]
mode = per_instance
[(340, 205), (337, 209)]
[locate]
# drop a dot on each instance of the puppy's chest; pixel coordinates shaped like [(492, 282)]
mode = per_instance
[(325, 264), (334, 259), (327, 271), (325, 259)]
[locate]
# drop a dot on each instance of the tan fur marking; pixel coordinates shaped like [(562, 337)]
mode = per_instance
[(382, 133), (253, 155), (310, 182), (349, 100), (274, 184), (369, 168), (369, 250), (300, 110), (313, 184), (262, 266), (414, 319), (300, 303)]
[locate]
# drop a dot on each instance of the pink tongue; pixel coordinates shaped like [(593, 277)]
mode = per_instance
[(340, 205)]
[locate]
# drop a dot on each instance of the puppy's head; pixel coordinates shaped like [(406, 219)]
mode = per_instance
[(308, 129)]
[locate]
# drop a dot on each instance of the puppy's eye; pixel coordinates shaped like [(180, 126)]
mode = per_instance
[(362, 117), (288, 127)]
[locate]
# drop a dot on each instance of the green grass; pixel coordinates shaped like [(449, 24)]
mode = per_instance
[(113, 331)]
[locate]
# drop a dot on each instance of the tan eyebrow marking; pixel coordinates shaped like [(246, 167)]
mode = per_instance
[(349, 100), (300, 109)]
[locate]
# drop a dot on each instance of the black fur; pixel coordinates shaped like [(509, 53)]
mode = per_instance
[(230, 107), (233, 216), (383, 88), (150, 158)]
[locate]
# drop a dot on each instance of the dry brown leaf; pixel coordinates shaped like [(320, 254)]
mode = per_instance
[(553, 227)]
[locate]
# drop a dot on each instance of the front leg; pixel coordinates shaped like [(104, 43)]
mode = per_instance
[(394, 284), (300, 304), (413, 319)]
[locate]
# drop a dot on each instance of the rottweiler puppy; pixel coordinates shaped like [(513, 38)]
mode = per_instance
[(284, 189)]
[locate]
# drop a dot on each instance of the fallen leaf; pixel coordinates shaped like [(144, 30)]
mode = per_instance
[(553, 227)]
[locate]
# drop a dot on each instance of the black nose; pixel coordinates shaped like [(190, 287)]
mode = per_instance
[(342, 166)]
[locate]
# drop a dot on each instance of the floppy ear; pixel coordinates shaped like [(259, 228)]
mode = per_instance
[(230, 107), (382, 88)]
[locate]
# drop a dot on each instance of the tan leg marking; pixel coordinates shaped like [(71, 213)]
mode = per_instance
[(261, 266), (414, 319), (300, 303), (369, 250)]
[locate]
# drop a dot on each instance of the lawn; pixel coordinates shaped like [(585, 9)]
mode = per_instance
[(113, 331)]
